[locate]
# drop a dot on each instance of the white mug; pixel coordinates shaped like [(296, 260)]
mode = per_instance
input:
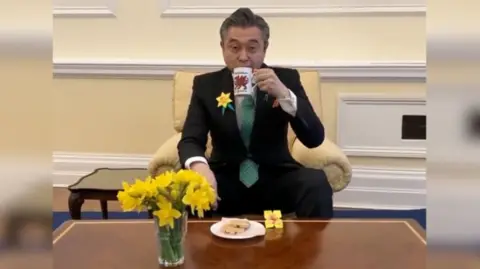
[(243, 81)]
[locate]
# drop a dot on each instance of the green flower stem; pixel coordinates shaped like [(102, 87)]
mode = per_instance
[(167, 251), (171, 240), (165, 194), (177, 237)]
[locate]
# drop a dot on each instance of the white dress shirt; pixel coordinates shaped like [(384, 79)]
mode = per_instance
[(288, 105)]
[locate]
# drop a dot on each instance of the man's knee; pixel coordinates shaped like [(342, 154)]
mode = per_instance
[(319, 194), (316, 182)]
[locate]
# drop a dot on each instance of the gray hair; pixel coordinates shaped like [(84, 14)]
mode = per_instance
[(244, 17)]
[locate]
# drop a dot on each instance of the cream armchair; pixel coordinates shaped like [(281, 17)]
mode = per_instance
[(327, 156)]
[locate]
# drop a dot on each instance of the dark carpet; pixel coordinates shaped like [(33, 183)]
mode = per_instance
[(419, 215)]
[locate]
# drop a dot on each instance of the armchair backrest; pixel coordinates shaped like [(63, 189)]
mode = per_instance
[(182, 90)]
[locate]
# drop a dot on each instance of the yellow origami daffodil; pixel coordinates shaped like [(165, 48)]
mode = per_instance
[(224, 101), (273, 219)]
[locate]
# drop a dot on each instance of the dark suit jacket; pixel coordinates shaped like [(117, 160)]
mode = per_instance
[(269, 136)]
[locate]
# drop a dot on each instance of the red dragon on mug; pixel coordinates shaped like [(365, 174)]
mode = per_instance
[(240, 82)]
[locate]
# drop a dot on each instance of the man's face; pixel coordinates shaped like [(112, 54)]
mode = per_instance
[(243, 47)]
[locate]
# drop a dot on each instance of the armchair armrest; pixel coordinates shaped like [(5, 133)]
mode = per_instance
[(328, 157), (166, 158)]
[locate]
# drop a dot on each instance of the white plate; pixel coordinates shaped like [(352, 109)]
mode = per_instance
[(256, 229)]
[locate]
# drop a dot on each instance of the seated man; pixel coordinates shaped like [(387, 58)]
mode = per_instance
[(251, 167)]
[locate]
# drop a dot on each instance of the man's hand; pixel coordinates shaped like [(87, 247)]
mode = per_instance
[(268, 81), (204, 170)]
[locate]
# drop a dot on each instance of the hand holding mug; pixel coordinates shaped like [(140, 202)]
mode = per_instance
[(268, 82)]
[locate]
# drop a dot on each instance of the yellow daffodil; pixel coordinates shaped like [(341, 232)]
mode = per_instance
[(125, 187), (129, 203), (161, 200), (224, 99), (168, 194), (273, 219), (164, 180), (189, 177), (142, 189), (137, 189), (209, 192), (198, 200), (166, 214), (150, 187), (175, 192)]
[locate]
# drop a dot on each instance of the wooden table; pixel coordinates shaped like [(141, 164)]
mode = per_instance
[(103, 185), (303, 244)]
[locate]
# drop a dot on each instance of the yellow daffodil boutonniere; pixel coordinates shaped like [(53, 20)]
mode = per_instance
[(273, 219), (224, 101)]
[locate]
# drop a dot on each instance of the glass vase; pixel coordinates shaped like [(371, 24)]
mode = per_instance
[(170, 241)]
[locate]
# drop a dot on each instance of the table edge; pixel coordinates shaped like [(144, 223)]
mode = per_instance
[(62, 230), (413, 225)]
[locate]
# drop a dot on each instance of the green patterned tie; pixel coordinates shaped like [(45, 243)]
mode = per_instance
[(248, 168)]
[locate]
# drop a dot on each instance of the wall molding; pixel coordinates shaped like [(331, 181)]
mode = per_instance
[(378, 100), (384, 99), (169, 9), (371, 187), (104, 9), (80, 12), (165, 69), (385, 152)]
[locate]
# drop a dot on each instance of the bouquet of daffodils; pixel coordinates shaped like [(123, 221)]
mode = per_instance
[(167, 197)]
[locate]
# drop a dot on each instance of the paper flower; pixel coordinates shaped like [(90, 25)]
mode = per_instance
[(273, 219), (224, 101)]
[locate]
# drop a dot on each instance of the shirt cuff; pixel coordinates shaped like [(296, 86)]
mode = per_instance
[(289, 104), (195, 159)]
